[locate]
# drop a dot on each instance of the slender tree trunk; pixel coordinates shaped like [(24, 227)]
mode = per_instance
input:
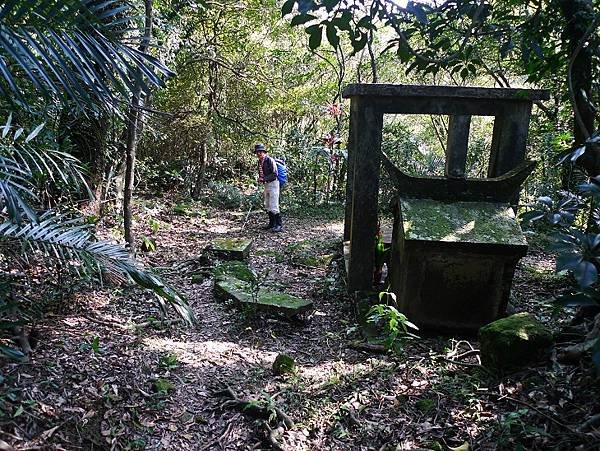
[(134, 117), (372, 60)]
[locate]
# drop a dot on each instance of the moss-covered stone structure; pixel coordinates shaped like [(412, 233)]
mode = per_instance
[(232, 248), (455, 241), (235, 281)]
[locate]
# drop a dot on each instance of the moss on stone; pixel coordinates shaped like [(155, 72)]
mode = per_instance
[(228, 287), (312, 253), (231, 244), (284, 364), (465, 222), (236, 269), (198, 278), (232, 248), (513, 342)]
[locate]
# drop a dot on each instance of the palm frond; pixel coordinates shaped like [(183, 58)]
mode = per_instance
[(12, 201), (23, 166), (73, 50), (71, 241)]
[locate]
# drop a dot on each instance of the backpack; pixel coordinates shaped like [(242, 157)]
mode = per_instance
[(282, 172)]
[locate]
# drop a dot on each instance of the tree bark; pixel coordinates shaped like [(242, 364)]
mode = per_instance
[(579, 17), (134, 117)]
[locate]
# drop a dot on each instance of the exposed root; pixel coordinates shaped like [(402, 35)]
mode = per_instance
[(267, 413)]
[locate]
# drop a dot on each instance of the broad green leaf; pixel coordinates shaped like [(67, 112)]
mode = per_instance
[(287, 7), (11, 353), (576, 300), (332, 35), (532, 216), (417, 10), (568, 262), (316, 35), (404, 52), (302, 19), (586, 274), (364, 22)]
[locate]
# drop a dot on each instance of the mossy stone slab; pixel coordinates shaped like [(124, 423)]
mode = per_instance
[(236, 269), (228, 287), (232, 248), (513, 342), (460, 222)]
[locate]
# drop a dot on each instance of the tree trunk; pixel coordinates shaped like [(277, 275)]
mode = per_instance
[(134, 117), (579, 17)]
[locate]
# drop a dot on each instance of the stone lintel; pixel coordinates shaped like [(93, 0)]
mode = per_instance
[(398, 90)]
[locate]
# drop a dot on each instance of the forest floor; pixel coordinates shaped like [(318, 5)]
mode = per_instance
[(109, 374)]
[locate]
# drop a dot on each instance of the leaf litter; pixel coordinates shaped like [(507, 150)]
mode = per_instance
[(111, 372)]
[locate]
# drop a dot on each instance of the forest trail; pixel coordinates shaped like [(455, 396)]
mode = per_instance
[(98, 381)]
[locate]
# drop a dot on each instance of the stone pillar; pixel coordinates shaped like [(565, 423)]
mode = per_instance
[(366, 147), (457, 146), (509, 139), (354, 126)]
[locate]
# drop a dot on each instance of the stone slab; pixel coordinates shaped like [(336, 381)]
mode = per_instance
[(230, 288), (460, 222), (399, 91), (232, 248)]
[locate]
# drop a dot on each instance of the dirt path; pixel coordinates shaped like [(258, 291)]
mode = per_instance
[(96, 383)]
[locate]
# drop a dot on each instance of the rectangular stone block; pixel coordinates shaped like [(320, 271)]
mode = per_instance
[(266, 300), (232, 248), (453, 263)]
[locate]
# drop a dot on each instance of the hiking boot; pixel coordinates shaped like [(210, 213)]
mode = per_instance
[(271, 222), (278, 227)]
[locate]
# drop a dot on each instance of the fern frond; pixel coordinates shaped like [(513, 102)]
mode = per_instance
[(73, 50), (72, 241)]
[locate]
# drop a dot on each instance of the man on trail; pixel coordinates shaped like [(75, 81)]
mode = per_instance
[(267, 175)]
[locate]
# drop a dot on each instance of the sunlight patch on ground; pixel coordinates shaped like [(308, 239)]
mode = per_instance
[(220, 228), (332, 227), (195, 353)]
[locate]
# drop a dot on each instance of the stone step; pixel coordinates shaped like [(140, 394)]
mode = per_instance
[(231, 248), (231, 288)]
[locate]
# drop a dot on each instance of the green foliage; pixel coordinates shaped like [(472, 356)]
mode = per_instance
[(60, 236), (154, 225), (162, 386), (168, 361), (95, 344), (425, 405), (393, 324), (225, 195), (73, 50), (284, 364), (148, 244), (182, 209), (577, 243)]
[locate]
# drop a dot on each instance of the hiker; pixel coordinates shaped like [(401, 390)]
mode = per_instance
[(267, 174)]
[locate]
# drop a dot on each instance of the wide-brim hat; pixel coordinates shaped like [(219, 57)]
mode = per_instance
[(259, 147)]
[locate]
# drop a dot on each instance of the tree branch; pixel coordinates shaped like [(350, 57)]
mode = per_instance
[(578, 118)]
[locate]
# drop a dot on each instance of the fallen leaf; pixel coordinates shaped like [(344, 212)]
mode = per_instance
[(464, 447), (47, 434)]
